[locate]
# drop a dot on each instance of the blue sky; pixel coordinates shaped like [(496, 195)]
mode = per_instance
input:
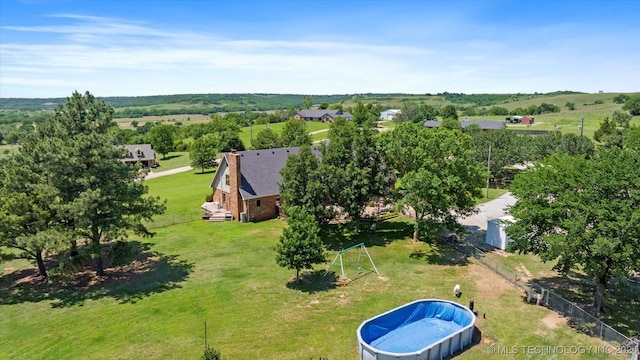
[(135, 47)]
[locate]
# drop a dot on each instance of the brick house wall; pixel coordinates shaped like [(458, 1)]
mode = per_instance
[(268, 208)]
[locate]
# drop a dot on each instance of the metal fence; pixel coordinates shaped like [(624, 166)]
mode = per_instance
[(173, 219), (579, 319)]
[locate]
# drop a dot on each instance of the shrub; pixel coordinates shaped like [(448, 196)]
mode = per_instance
[(122, 253), (211, 354), (208, 198)]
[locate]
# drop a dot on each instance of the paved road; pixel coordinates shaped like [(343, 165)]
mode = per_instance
[(489, 210), (152, 175)]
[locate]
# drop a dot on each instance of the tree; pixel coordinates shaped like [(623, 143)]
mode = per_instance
[(358, 180), (27, 220), (294, 133), (570, 105), (266, 139), (135, 123), (99, 198), (307, 102), (584, 213), (299, 247), (161, 138), (366, 115), (226, 133), (507, 148), (556, 142), (323, 106), (303, 184), (608, 135), (632, 138), (449, 112), (438, 177), (621, 118), (203, 153), (426, 112), (632, 105), (620, 99)]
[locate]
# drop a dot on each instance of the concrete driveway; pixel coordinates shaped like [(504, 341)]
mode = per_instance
[(489, 210), (153, 175)]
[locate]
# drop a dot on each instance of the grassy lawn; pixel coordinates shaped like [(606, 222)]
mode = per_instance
[(245, 132), (173, 160), (225, 274), (493, 194)]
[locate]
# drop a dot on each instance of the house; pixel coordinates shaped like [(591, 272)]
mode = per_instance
[(246, 183), (482, 124), (526, 120), (321, 115), (140, 152), (389, 114)]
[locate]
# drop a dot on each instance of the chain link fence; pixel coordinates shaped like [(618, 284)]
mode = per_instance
[(173, 219), (579, 319)]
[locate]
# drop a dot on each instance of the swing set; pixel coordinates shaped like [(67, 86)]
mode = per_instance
[(352, 256)]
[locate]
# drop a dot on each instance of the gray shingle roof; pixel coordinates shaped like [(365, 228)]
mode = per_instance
[(261, 170), (482, 124), (316, 114), (146, 152)]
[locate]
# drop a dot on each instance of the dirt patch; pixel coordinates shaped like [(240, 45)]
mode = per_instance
[(490, 285), (553, 320)]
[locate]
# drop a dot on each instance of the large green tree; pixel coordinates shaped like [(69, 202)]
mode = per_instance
[(449, 112), (202, 152), (28, 220), (299, 247), (266, 139), (161, 138), (360, 178), (583, 213), (98, 197), (438, 176), (304, 184), (608, 134), (632, 105), (294, 133)]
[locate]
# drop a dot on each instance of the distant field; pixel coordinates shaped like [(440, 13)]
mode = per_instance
[(186, 119)]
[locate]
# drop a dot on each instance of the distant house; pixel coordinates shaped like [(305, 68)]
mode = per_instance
[(140, 152), (246, 183), (389, 114), (482, 124), (321, 115), (525, 120)]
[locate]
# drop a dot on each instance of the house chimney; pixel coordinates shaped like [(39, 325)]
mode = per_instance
[(235, 180)]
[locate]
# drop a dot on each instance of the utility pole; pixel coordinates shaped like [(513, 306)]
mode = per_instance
[(581, 125), (488, 170)]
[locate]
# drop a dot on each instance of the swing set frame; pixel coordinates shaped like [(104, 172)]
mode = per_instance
[(341, 252)]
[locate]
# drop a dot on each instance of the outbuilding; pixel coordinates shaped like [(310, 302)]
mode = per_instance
[(496, 235)]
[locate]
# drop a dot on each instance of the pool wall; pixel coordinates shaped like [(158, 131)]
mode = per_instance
[(381, 325)]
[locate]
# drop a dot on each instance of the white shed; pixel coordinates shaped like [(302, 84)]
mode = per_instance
[(496, 236)]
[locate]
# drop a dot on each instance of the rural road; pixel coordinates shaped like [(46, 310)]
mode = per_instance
[(153, 175), (489, 210)]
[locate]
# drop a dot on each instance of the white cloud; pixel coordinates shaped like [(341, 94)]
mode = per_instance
[(116, 57)]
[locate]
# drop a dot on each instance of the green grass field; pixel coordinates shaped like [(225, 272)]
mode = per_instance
[(225, 274)]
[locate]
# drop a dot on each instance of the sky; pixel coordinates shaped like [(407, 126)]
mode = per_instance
[(144, 47)]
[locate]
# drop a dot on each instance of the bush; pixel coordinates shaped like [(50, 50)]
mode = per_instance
[(211, 354), (208, 198)]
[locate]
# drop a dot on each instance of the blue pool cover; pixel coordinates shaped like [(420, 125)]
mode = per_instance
[(415, 326)]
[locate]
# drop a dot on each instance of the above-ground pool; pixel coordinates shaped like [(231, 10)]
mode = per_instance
[(423, 329)]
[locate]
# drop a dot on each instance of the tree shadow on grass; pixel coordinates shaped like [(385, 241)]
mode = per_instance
[(313, 282), (206, 172), (440, 253), (621, 301), (150, 273), (169, 157), (337, 237)]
